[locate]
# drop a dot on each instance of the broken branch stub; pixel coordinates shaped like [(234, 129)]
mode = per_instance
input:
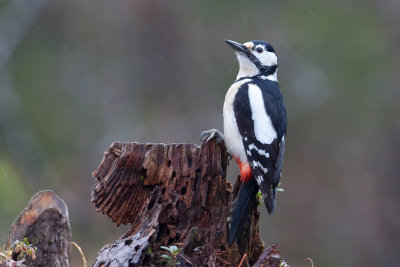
[(45, 224)]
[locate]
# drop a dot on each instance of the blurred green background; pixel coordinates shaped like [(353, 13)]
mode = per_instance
[(77, 75)]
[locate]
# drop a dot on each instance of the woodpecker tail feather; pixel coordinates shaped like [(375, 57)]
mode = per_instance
[(241, 208), (270, 201)]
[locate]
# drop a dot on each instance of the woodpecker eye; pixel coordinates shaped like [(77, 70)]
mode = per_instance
[(260, 50)]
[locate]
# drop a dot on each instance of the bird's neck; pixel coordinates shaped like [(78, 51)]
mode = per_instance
[(268, 73), (268, 76)]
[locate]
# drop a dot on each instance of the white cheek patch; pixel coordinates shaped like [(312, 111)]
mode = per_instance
[(267, 58)]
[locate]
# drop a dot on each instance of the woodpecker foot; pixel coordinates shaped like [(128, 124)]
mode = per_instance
[(210, 134)]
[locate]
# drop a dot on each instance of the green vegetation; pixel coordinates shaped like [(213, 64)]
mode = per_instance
[(170, 258), (259, 198), (19, 250)]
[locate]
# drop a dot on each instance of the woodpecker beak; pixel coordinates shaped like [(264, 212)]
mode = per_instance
[(237, 47)]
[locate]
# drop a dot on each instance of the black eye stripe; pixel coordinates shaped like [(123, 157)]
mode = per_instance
[(266, 70)]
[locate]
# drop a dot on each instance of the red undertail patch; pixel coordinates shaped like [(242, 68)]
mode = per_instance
[(245, 171)]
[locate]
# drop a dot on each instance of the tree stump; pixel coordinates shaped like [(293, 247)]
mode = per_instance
[(171, 195), (45, 224)]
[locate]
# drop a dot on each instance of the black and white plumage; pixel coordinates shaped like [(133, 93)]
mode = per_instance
[(255, 128)]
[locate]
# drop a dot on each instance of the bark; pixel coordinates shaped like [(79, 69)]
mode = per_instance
[(171, 195), (270, 257), (45, 223)]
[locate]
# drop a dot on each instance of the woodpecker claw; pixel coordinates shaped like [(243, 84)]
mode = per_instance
[(206, 136)]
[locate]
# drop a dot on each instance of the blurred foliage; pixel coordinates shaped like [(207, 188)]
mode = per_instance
[(14, 194), (77, 75)]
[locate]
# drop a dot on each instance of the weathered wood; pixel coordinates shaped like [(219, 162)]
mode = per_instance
[(270, 257), (173, 194), (45, 223)]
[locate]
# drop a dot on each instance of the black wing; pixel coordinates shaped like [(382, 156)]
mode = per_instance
[(265, 159)]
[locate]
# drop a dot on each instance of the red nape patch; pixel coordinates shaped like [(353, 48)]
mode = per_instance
[(245, 171)]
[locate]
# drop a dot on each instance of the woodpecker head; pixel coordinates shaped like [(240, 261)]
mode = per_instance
[(255, 58)]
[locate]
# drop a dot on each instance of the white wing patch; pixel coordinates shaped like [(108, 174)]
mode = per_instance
[(263, 128), (261, 152), (258, 164), (259, 179)]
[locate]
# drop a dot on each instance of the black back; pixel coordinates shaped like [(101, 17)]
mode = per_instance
[(255, 150)]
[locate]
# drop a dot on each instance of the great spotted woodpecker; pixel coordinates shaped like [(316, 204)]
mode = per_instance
[(254, 128)]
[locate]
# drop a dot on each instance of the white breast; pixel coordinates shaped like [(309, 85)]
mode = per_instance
[(233, 139)]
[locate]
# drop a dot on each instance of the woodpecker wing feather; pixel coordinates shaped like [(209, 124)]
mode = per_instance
[(261, 120)]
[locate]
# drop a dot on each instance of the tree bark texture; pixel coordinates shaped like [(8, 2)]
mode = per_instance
[(171, 195), (45, 223)]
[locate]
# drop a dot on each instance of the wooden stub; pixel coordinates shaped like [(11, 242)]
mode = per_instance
[(270, 257), (45, 223), (174, 194)]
